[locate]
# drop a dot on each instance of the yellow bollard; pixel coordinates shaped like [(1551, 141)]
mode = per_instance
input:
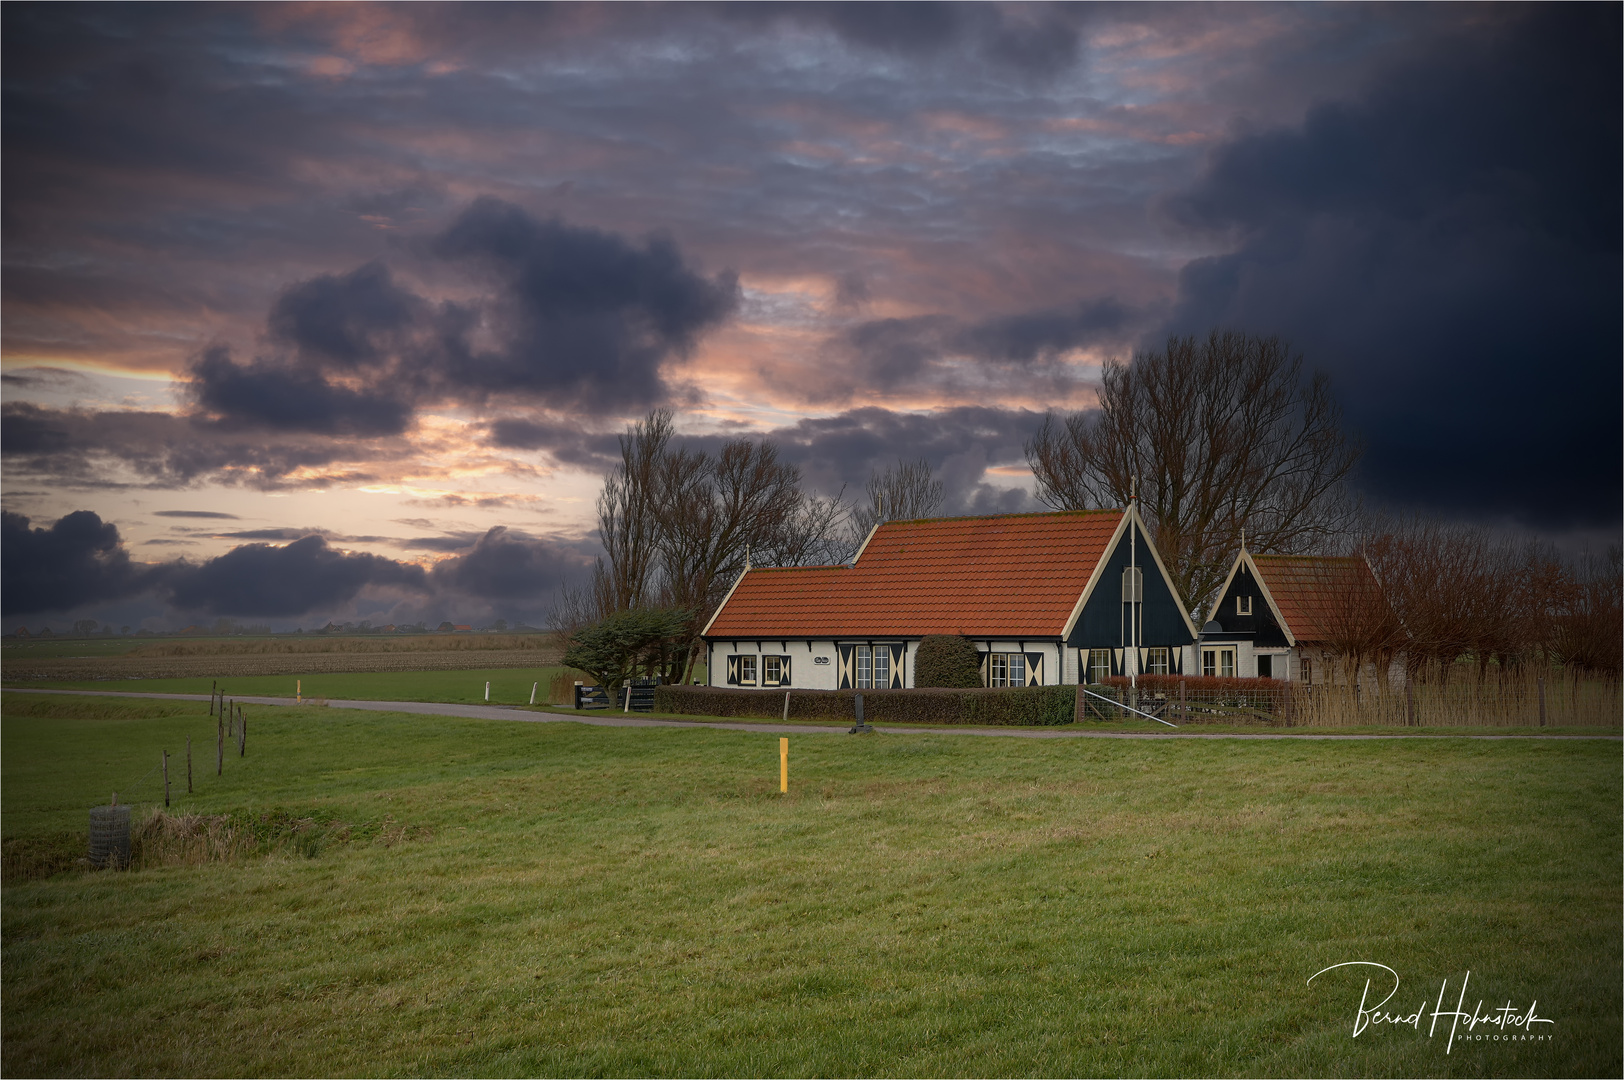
[(298, 691), (783, 766)]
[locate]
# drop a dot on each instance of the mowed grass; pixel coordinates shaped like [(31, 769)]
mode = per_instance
[(580, 900)]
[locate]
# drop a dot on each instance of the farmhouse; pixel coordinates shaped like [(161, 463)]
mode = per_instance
[(1047, 599), (1294, 617)]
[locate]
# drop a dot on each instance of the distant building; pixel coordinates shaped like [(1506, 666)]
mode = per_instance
[(22, 632)]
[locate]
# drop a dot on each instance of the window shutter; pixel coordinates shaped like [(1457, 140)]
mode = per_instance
[(899, 653), (845, 652), (1117, 662), (1034, 669), (733, 671), (783, 676)]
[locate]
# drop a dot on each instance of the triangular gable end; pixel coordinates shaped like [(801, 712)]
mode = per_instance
[(1263, 586), (1132, 515)]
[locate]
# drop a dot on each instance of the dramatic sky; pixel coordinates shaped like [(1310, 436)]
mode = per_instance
[(329, 311)]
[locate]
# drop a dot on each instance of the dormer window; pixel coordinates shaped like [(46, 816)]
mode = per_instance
[(1243, 605)]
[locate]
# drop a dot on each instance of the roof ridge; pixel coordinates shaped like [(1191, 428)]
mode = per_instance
[(1019, 514), (818, 566)]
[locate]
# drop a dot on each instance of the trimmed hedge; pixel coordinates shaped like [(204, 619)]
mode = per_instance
[(1020, 706), (947, 660)]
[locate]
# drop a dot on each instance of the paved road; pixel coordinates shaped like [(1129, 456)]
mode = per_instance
[(606, 719)]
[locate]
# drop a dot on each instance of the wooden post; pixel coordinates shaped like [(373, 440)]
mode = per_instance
[(166, 777), (1542, 701), (533, 692), (783, 765), (242, 733), (487, 690), (1077, 709), (214, 689), (786, 706), (1184, 708), (220, 750), (188, 764)]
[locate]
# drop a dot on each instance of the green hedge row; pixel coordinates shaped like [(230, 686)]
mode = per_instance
[(1024, 706)]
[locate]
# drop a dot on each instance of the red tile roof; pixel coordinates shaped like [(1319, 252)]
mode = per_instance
[(1014, 575), (1312, 591)]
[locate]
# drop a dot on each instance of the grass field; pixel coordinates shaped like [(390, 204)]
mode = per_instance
[(478, 897), (509, 686)]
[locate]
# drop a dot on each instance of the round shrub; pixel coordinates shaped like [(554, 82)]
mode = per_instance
[(947, 660)]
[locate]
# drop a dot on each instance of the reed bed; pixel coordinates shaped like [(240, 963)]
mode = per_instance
[(1498, 700)]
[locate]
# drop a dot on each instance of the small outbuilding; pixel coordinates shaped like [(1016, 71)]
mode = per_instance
[(1047, 599), (1291, 617)]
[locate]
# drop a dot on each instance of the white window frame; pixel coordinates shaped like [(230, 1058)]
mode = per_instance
[(863, 663), (1218, 662), (1243, 605), (1159, 660), (1006, 669), (1098, 665), (772, 670), (747, 669)]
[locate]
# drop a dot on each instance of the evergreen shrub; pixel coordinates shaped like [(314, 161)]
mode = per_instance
[(947, 660)]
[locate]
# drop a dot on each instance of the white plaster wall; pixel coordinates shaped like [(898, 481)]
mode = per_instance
[(1049, 651), (805, 673)]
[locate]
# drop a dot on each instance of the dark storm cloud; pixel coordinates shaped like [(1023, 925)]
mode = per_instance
[(78, 560), (581, 311), (579, 315), (505, 566), (74, 448), (961, 444), (1448, 246), (273, 582), (920, 351), (565, 441), (274, 395)]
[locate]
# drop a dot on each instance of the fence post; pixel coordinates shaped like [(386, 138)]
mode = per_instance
[(786, 706), (533, 692), (1077, 709), (1542, 701), (166, 777), (242, 733)]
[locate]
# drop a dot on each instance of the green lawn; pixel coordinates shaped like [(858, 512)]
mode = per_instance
[(477, 897), (509, 686)]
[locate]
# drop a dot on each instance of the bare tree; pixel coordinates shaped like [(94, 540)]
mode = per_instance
[(628, 525), (904, 492), (1218, 436)]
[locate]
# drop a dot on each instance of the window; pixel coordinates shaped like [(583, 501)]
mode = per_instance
[(1006, 669), (772, 670), (1099, 665), (1308, 671), (1243, 605), (1219, 662), (1265, 667), (1133, 585), (872, 667), (882, 667), (1157, 661), (865, 668), (747, 670)]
